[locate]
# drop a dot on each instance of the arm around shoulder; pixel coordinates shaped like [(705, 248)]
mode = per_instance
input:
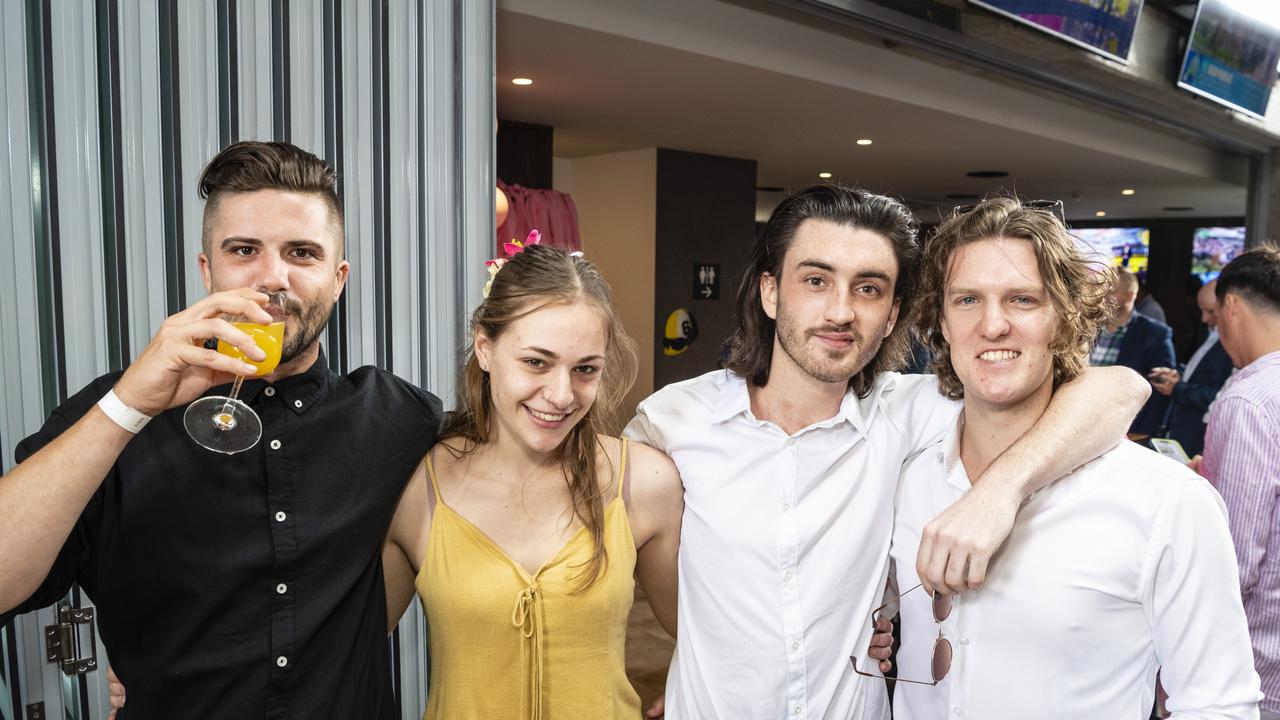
[(655, 509), (1076, 428), (1087, 417)]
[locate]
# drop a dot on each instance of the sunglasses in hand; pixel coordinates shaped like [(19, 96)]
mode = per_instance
[(940, 663)]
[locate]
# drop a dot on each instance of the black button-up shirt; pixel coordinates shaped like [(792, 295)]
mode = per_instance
[(250, 585)]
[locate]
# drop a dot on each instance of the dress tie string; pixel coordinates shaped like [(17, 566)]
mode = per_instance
[(526, 617)]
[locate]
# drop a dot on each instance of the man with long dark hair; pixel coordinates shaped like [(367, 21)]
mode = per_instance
[(790, 458)]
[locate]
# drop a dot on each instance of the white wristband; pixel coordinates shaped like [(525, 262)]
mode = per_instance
[(121, 414)]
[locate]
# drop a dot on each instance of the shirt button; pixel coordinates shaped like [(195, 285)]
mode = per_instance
[(786, 507), (958, 712), (786, 575), (269, 391), (964, 641), (941, 457), (280, 516), (282, 589), (275, 444), (797, 710), (795, 646), (282, 661), (297, 403)]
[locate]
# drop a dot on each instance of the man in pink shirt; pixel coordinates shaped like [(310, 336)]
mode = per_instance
[(1242, 449)]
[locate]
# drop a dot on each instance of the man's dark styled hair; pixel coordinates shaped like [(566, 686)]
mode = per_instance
[(1253, 277), (750, 346), (249, 166)]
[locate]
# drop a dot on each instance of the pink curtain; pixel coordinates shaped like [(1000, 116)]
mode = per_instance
[(550, 212)]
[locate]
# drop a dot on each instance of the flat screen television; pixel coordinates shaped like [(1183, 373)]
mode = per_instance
[(1232, 55), (1121, 247), (1103, 26), (1212, 248)]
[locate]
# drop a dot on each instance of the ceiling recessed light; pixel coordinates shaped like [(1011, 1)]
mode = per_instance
[(521, 81), (770, 189), (1101, 213), (1127, 191), (1177, 208), (961, 196), (824, 175), (987, 173), (864, 141)]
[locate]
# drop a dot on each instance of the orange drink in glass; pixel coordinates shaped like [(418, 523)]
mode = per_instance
[(268, 337)]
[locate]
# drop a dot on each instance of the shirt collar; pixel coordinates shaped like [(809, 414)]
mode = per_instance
[(1266, 361), (734, 399), (949, 454), (298, 392)]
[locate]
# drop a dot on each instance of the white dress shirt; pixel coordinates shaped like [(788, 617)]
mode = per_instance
[(1118, 569), (785, 543)]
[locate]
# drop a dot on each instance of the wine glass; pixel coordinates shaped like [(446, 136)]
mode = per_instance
[(224, 423)]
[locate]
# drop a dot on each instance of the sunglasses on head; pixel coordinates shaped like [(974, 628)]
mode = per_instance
[(1052, 206)]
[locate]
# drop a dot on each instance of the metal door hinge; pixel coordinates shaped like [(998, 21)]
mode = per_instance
[(35, 711), (62, 641)]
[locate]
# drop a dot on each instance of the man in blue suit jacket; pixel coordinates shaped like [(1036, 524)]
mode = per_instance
[(1137, 342), (1204, 375)]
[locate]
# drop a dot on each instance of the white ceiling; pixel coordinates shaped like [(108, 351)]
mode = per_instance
[(625, 75)]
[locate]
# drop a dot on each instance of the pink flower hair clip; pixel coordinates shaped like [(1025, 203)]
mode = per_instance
[(513, 248)]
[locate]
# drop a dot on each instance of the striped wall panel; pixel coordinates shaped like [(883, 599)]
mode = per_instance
[(111, 109)]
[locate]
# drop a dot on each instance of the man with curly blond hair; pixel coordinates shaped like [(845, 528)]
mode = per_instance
[(1120, 569)]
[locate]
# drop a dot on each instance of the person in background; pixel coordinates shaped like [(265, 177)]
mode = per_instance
[(525, 528), (1121, 568), (1137, 342), (1147, 305), (1206, 371), (1242, 448)]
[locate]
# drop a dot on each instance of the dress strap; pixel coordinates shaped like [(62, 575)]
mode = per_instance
[(431, 473), (526, 617), (622, 467)]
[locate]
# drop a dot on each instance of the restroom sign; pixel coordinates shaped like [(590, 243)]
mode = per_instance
[(706, 281)]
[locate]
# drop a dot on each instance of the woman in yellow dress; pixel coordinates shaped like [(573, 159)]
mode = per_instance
[(524, 528)]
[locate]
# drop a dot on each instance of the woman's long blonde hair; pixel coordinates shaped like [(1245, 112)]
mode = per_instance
[(536, 278)]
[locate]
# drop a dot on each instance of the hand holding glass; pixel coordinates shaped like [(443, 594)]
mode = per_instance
[(226, 424)]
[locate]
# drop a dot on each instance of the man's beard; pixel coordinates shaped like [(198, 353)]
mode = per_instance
[(795, 343), (311, 322)]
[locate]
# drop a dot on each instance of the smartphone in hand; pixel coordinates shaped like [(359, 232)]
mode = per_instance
[(1171, 449)]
